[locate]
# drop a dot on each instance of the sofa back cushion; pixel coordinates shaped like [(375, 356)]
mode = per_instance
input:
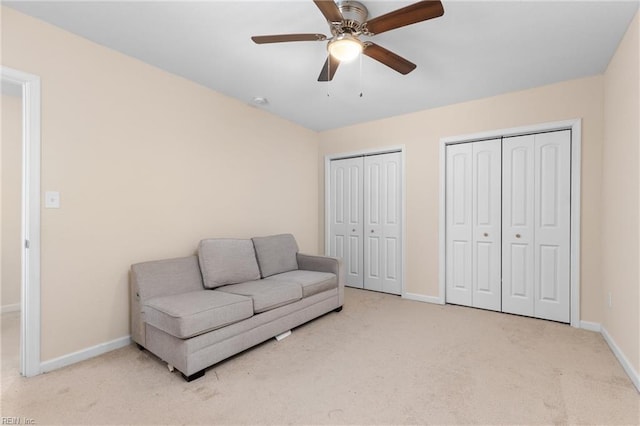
[(227, 261), (276, 254), (166, 277)]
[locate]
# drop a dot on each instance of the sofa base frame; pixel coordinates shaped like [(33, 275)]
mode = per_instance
[(248, 333), (194, 376)]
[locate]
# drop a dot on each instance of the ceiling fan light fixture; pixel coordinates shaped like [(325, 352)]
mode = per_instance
[(345, 47)]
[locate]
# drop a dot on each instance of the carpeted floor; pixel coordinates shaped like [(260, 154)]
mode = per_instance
[(381, 360)]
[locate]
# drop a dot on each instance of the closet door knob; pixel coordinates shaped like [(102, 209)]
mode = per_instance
[(517, 235), (486, 234), (372, 231), (353, 230)]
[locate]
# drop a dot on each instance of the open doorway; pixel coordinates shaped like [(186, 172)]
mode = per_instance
[(20, 217), (10, 224)]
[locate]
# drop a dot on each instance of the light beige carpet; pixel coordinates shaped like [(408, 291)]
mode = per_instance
[(381, 360)]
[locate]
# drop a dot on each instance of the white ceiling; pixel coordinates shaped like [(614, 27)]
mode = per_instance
[(477, 49)]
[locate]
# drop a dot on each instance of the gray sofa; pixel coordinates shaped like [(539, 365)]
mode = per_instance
[(195, 311)]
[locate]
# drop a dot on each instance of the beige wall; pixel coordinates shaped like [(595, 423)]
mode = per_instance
[(147, 164), (10, 180), (420, 133), (620, 197)]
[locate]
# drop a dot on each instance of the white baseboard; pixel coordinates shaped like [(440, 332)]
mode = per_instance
[(591, 326), (84, 354), (10, 308), (423, 298), (626, 365)]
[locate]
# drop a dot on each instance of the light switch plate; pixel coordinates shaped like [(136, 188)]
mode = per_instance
[(52, 200)]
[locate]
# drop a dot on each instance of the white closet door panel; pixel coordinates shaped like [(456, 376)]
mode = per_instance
[(459, 226), (392, 222), (346, 209), (373, 183), (552, 225), (337, 246), (382, 223), (392, 265), (518, 180), (372, 223), (519, 270), (338, 224), (373, 258), (486, 225)]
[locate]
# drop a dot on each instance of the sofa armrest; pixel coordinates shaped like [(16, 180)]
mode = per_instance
[(317, 263), (159, 278)]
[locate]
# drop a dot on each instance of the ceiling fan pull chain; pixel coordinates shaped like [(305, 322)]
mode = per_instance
[(361, 75), (328, 77)]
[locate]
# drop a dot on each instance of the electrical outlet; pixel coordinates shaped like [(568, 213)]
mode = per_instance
[(609, 299)]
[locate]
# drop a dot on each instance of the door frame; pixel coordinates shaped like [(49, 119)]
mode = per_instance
[(327, 186), (575, 125), (30, 265)]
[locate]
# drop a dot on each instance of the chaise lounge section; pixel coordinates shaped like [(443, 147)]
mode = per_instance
[(196, 311)]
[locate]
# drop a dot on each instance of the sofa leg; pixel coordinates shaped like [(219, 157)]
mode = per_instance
[(194, 376), (338, 309)]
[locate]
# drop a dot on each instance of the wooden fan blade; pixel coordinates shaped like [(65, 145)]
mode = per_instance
[(287, 37), (411, 14), (329, 69), (329, 9), (388, 58)]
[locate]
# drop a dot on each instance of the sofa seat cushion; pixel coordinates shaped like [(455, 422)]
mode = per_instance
[(312, 282), (189, 314), (266, 295)]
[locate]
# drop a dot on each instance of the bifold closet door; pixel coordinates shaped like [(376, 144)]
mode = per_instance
[(382, 223), (486, 222), (473, 224), (459, 228), (536, 225), (346, 217)]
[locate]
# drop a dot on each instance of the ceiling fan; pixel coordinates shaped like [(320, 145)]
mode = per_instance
[(348, 21)]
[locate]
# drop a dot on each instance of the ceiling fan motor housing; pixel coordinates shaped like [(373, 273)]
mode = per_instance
[(354, 15)]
